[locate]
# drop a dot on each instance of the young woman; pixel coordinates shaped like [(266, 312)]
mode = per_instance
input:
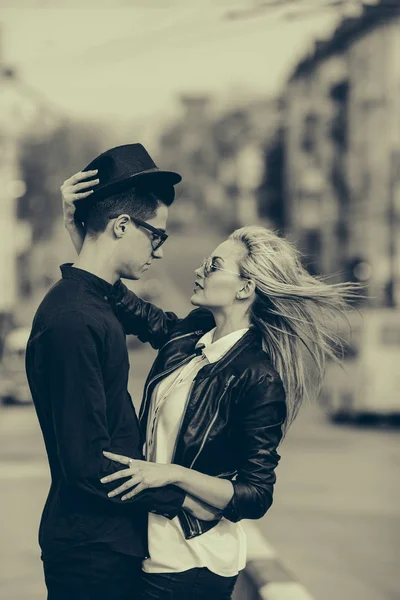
[(228, 380)]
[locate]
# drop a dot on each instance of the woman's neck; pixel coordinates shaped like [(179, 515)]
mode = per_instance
[(228, 323)]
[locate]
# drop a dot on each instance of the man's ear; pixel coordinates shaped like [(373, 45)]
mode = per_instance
[(248, 289), (120, 225)]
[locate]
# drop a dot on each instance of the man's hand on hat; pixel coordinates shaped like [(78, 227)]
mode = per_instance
[(77, 187)]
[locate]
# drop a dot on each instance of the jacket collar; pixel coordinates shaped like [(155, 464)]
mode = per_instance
[(214, 351), (91, 281), (250, 338)]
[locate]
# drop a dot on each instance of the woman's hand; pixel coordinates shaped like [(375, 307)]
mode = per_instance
[(143, 475), (76, 188)]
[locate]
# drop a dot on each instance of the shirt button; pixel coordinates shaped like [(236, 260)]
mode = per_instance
[(105, 297)]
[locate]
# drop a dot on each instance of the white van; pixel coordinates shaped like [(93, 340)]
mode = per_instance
[(368, 384)]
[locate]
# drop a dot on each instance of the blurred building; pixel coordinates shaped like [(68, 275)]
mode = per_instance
[(342, 147), (220, 149), (243, 136), (186, 147)]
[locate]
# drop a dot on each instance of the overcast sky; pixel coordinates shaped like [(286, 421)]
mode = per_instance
[(133, 62)]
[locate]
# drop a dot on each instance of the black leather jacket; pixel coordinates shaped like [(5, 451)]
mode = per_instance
[(232, 424)]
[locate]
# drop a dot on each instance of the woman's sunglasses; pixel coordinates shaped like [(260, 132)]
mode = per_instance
[(209, 266)]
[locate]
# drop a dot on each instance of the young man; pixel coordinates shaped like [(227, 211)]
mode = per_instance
[(77, 366)]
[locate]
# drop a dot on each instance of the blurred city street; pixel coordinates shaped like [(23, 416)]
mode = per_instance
[(283, 114), (336, 513)]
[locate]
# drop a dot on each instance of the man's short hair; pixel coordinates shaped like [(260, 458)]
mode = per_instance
[(135, 202)]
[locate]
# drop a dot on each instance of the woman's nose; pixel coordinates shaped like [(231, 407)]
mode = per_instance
[(159, 253), (199, 271)]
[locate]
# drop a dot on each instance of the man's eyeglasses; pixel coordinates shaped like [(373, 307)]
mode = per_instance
[(158, 236), (210, 266)]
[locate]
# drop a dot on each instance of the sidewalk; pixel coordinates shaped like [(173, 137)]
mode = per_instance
[(25, 476), (266, 576)]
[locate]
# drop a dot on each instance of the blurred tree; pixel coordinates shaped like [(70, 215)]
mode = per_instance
[(207, 147), (46, 161)]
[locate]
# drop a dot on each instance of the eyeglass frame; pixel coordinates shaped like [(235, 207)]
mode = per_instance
[(207, 271), (161, 235)]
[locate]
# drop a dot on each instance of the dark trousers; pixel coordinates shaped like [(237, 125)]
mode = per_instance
[(194, 584), (93, 573)]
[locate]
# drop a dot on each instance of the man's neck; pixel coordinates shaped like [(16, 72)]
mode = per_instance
[(97, 260)]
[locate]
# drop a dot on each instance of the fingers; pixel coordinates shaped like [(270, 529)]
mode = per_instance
[(124, 460), (71, 192), (81, 176), (139, 488), (125, 486), (86, 185), (77, 188), (82, 195), (117, 475)]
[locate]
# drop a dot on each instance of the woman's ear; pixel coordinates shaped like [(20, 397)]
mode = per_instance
[(247, 290)]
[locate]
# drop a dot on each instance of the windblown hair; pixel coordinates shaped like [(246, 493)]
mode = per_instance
[(135, 202), (292, 309)]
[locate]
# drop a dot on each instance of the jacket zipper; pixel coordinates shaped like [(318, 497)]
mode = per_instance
[(159, 376), (143, 406), (179, 337), (212, 421), (183, 514), (186, 518), (181, 422)]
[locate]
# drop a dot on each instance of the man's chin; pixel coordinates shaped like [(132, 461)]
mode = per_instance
[(131, 276)]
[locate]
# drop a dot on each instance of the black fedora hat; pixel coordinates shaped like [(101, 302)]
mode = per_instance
[(127, 166)]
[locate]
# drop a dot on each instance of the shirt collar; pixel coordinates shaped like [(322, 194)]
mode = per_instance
[(214, 351), (103, 287)]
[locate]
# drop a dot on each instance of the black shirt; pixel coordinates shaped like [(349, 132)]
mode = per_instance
[(77, 366)]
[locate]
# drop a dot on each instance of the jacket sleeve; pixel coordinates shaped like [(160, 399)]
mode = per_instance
[(73, 355), (143, 319), (259, 431)]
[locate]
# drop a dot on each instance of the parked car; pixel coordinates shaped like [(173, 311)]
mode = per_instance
[(14, 388)]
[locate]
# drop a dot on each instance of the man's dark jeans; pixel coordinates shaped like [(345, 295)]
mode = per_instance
[(93, 573), (196, 584)]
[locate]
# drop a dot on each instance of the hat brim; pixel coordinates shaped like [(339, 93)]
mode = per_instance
[(159, 182)]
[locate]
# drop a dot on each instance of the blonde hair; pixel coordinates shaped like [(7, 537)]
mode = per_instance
[(292, 309)]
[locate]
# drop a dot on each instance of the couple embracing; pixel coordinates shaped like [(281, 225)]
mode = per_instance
[(150, 507)]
